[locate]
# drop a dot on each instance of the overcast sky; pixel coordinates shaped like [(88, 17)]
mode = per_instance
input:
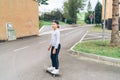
[(54, 4)]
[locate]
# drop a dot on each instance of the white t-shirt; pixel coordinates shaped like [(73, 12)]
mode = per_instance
[(55, 38)]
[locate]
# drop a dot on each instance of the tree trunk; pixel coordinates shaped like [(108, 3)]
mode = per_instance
[(115, 38)]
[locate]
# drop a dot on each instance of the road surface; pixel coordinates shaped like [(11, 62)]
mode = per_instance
[(27, 59)]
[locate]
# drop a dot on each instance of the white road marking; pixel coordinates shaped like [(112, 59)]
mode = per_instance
[(41, 28), (79, 41), (66, 29), (21, 48), (44, 33)]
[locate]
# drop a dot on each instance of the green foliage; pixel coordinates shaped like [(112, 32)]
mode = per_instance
[(89, 7), (70, 21), (98, 28), (98, 13), (44, 2), (53, 15), (87, 19), (81, 18), (42, 23), (71, 8)]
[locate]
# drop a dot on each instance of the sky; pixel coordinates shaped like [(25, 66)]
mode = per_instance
[(54, 4)]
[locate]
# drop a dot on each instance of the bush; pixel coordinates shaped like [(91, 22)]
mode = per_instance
[(53, 15), (70, 21), (87, 19)]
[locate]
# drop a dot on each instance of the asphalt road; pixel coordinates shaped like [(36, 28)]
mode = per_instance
[(27, 59)]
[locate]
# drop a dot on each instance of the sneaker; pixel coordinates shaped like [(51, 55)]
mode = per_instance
[(50, 69), (55, 71)]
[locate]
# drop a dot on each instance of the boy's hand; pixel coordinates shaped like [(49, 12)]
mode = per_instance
[(54, 51), (49, 48)]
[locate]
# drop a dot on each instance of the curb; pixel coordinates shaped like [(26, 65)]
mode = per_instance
[(103, 59), (94, 57)]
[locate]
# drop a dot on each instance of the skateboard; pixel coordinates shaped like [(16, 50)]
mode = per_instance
[(53, 75)]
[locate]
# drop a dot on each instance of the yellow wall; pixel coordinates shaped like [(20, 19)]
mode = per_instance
[(23, 14), (108, 9)]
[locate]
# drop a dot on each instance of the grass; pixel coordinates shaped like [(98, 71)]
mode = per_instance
[(98, 28), (97, 47), (81, 22), (42, 23)]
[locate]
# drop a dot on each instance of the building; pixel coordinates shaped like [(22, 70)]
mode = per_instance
[(108, 13), (18, 18)]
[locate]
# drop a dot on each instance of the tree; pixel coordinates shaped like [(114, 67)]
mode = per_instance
[(90, 12), (98, 13), (54, 14), (87, 19), (57, 14), (71, 8), (40, 2), (89, 7), (115, 37)]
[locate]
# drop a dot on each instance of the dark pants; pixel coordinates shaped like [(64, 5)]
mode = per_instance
[(54, 57)]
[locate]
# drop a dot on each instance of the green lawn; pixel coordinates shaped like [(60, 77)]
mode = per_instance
[(98, 28), (41, 23), (97, 47), (81, 22)]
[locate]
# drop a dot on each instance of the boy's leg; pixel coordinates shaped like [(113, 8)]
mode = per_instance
[(50, 69), (56, 71), (57, 62), (52, 57), (56, 57)]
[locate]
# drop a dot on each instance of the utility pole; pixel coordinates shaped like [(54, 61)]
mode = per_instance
[(94, 16), (104, 24)]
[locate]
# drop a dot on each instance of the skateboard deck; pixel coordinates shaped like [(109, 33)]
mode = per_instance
[(54, 75)]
